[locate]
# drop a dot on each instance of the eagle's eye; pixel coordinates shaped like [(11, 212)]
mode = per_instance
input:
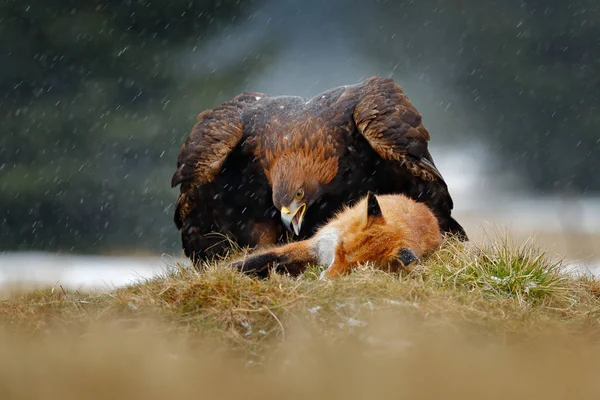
[(299, 194)]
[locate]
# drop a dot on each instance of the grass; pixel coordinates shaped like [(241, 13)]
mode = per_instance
[(501, 270), (491, 285), (495, 312)]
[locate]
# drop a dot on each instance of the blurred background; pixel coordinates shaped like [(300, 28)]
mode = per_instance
[(96, 98)]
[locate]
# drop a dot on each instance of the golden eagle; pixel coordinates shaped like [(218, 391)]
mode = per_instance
[(258, 160)]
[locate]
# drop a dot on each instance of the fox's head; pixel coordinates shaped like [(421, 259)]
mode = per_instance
[(372, 238)]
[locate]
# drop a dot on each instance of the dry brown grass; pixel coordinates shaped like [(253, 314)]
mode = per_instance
[(395, 355), (474, 322)]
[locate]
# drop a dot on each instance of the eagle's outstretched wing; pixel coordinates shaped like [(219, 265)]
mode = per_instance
[(213, 137), (386, 118), (200, 170), (393, 127)]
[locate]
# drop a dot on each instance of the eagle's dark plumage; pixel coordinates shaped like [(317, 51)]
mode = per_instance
[(255, 156)]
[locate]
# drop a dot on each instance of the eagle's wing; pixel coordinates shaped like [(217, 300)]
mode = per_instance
[(214, 136), (217, 132), (393, 127)]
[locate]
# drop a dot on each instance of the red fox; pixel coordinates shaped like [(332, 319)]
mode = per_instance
[(391, 231)]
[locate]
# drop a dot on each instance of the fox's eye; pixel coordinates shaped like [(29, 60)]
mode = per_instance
[(299, 194)]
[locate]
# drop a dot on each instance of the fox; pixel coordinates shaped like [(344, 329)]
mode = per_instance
[(391, 231)]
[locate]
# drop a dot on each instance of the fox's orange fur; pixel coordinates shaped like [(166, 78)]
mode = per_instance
[(390, 231)]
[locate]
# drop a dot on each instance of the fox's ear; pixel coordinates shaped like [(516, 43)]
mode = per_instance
[(373, 212)]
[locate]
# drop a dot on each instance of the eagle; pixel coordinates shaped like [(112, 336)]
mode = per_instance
[(258, 168)]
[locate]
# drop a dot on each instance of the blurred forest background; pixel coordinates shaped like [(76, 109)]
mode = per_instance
[(96, 97)]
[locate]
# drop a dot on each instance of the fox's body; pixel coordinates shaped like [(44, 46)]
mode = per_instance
[(390, 231)]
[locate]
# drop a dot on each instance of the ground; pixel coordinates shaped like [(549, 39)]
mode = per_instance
[(473, 321)]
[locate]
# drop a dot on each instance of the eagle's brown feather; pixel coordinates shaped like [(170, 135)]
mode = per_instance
[(314, 154), (393, 127), (213, 137), (255, 151), (201, 157)]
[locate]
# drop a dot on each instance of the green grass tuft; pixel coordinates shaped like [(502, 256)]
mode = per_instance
[(502, 270)]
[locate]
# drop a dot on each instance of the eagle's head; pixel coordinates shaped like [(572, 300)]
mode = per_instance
[(298, 180)]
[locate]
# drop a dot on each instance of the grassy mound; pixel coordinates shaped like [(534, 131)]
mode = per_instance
[(499, 287), (473, 322)]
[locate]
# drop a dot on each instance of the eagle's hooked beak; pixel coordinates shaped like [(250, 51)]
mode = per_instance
[(292, 220)]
